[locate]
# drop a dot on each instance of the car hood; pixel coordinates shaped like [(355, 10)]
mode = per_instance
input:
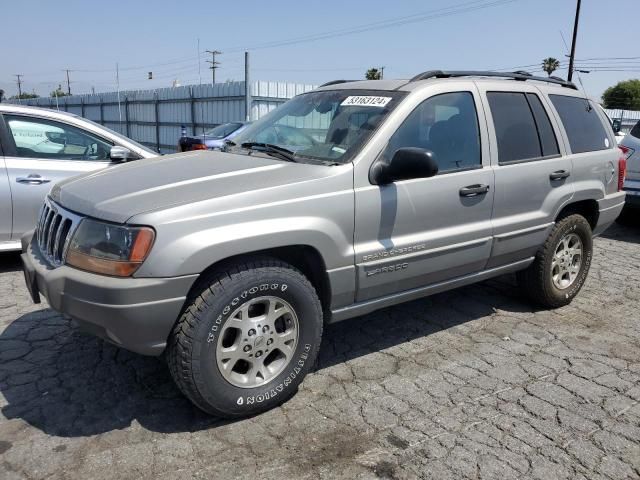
[(117, 193)]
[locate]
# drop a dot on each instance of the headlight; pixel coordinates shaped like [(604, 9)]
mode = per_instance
[(109, 249)]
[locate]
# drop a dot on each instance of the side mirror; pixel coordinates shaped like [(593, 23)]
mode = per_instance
[(617, 125), (119, 154), (407, 163)]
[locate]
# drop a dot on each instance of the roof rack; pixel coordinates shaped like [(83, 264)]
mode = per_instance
[(335, 82), (519, 75)]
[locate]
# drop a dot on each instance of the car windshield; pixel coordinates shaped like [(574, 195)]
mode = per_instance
[(326, 126), (222, 131)]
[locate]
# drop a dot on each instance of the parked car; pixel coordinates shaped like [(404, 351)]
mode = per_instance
[(39, 148), (631, 148), (616, 124), (232, 262), (212, 139)]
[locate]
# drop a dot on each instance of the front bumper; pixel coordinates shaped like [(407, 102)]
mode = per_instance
[(134, 313)]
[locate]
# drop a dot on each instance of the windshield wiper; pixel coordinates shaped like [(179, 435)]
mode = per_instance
[(271, 149)]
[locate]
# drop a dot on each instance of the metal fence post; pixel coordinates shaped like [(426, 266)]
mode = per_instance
[(126, 115), (82, 107), (193, 111), (157, 119), (101, 111)]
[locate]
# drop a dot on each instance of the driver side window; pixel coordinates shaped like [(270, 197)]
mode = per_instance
[(445, 124), (45, 139)]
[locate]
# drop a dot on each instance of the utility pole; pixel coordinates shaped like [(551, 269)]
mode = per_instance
[(247, 89), (68, 82), (573, 42), (381, 73), (19, 82), (214, 64)]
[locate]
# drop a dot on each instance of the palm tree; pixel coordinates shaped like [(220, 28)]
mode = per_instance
[(550, 65), (373, 74)]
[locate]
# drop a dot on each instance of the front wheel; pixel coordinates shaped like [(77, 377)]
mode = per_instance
[(247, 339), (561, 265)]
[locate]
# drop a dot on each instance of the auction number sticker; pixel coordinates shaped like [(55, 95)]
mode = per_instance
[(366, 101)]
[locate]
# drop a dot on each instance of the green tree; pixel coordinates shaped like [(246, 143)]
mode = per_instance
[(550, 65), (373, 74), (25, 96), (58, 92), (624, 95)]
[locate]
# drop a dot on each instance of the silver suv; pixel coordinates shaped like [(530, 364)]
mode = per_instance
[(347, 199)]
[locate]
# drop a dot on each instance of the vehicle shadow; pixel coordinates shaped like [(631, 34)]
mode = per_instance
[(629, 232), (10, 262), (68, 384)]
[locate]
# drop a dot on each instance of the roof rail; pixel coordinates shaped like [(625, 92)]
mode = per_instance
[(335, 82), (519, 75)]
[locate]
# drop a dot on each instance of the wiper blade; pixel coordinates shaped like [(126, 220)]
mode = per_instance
[(270, 148)]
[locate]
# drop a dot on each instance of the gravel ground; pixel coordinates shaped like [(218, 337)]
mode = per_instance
[(472, 383)]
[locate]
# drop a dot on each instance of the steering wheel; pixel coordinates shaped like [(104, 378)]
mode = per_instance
[(306, 136)]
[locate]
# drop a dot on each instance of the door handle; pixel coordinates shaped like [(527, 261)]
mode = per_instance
[(474, 190), (559, 175), (32, 179)]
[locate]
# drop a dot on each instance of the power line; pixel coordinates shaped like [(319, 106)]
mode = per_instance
[(379, 25)]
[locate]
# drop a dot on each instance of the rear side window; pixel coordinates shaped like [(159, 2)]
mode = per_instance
[(548, 141), (523, 129), (635, 131), (582, 123)]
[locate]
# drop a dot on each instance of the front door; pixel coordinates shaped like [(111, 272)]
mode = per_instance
[(420, 232), (41, 153)]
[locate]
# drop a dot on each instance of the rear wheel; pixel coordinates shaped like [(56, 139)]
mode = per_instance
[(247, 339), (561, 265)]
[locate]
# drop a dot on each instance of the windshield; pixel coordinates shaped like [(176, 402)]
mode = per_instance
[(328, 126), (222, 131)]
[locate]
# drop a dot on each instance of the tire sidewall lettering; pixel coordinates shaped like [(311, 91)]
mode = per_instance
[(237, 300)]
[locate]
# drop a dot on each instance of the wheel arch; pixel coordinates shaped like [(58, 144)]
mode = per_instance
[(306, 258), (587, 208)]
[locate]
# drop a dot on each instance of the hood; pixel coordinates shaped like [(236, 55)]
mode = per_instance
[(117, 193)]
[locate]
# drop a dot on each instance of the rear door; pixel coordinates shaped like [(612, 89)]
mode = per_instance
[(533, 177), (40, 153)]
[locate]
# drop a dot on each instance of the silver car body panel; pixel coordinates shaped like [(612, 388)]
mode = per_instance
[(26, 198)]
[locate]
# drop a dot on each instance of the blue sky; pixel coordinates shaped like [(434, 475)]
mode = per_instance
[(161, 36)]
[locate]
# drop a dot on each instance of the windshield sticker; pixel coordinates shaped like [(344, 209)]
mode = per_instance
[(365, 101)]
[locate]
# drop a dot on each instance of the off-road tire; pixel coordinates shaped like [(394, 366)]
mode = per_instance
[(191, 351), (536, 281)]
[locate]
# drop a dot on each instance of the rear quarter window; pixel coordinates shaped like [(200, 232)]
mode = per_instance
[(582, 123), (635, 131)]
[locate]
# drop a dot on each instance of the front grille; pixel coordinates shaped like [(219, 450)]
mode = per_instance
[(54, 231)]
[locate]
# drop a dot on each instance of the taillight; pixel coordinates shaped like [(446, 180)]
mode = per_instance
[(626, 151), (198, 146), (622, 167)]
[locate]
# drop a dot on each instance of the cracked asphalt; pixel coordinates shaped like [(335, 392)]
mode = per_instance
[(472, 383)]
